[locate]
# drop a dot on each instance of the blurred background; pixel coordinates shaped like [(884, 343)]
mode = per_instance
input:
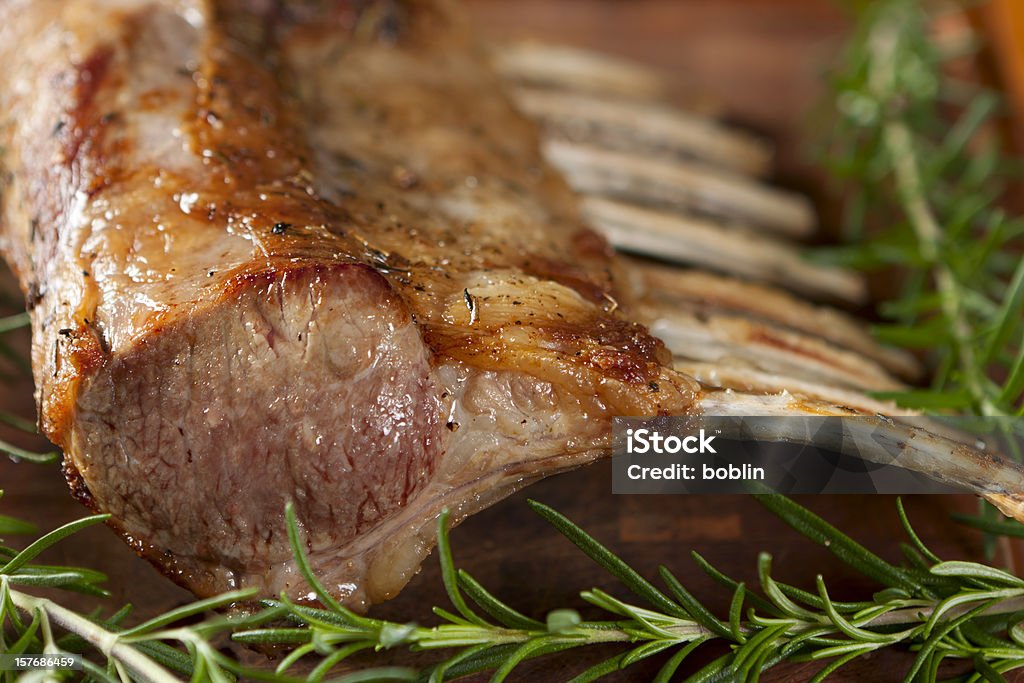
[(758, 63)]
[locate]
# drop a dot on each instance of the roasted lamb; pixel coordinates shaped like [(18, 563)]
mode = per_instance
[(310, 251)]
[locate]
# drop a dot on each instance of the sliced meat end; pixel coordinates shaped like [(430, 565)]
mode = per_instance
[(308, 383)]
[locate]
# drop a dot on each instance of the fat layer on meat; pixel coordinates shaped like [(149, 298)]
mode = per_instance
[(300, 252)]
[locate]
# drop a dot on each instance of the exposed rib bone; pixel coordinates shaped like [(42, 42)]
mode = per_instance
[(730, 375), (707, 292), (719, 338), (696, 242), (684, 186), (644, 130), (573, 69), (605, 148), (916, 447)]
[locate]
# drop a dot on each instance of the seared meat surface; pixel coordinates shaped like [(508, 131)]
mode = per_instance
[(307, 252)]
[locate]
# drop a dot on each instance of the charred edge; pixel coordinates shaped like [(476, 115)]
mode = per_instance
[(623, 367), (614, 348), (78, 354), (78, 487), (62, 157), (88, 348), (624, 350), (245, 110), (635, 339), (82, 128)]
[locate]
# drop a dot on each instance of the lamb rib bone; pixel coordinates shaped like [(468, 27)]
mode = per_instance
[(563, 68), (699, 242), (643, 129), (689, 187), (677, 288)]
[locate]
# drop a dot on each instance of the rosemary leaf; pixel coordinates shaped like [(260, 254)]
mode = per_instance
[(908, 529), (18, 423), (29, 553), (198, 607), (1010, 528), (736, 613), (448, 573), (670, 667), (604, 557), (975, 570), (936, 637), (9, 526), (835, 665), (987, 671), (839, 544), (14, 322), (693, 607), (22, 454), (600, 669), (757, 601), (303, 563), (498, 610)]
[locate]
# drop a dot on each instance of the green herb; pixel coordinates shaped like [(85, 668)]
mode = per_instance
[(9, 324), (920, 161), (941, 610), (918, 157)]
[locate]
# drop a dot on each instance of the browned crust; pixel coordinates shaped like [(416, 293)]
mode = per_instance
[(256, 179), (79, 354)]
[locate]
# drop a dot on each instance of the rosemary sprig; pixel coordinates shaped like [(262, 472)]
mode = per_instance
[(944, 610), (917, 156), (916, 153), (939, 609), (31, 624)]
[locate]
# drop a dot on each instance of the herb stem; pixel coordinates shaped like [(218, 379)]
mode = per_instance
[(898, 142), (911, 615), (109, 644), (14, 322)]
